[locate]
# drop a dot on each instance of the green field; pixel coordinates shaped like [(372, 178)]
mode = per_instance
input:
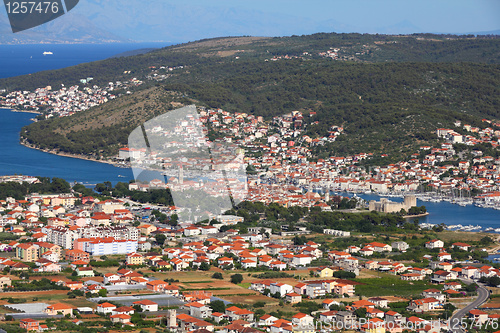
[(389, 285)]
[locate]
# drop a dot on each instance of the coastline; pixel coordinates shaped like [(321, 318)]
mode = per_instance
[(413, 216), (81, 157), (17, 110)]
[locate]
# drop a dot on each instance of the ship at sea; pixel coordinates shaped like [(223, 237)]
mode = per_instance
[(47, 53)]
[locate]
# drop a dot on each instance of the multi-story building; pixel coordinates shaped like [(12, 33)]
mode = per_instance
[(108, 206), (30, 324), (315, 290), (73, 255), (135, 259), (27, 252), (229, 219), (105, 246), (64, 237), (44, 247), (59, 308), (117, 232), (5, 281)]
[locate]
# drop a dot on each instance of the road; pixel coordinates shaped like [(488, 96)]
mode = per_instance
[(482, 296)]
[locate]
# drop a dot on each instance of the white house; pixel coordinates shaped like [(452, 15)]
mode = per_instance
[(111, 277), (147, 305), (434, 244), (247, 263), (192, 231), (301, 260), (281, 288), (199, 310), (105, 308), (302, 321)]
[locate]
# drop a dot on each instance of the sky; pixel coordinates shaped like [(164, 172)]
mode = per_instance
[(447, 16), (189, 20)]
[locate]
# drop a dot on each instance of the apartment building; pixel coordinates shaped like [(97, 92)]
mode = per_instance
[(64, 237), (117, 232), (105, 246)]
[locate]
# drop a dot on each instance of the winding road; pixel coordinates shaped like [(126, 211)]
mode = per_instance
[(455, 321)]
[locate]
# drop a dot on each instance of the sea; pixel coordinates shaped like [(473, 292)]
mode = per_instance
[(17, 159), (28, 59), (450, 214)]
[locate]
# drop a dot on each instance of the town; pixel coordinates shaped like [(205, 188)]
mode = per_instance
[(280, 158), (71, 261), (281, 155), (295, 249)]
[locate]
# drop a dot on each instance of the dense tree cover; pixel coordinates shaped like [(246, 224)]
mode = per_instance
[(104, 263), (236, 278), (363, 222), (218, 306), (5, 236), (46, 186), (120, 190), (492, 281), (416, 210), (42, 284), (344, 275), (103, 141), (12, 328), (417, 47), (398, 96), (317, 220), (253, 211), (273, 275), (308, 306), (338, 202)]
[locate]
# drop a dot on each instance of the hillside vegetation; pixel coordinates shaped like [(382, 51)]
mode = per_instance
[(389, 92)]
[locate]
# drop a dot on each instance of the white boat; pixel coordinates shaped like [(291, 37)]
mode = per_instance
[(47, 53)]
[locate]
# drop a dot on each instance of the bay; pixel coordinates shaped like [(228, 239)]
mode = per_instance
[(18, 159), (451, 214), (27, 59)]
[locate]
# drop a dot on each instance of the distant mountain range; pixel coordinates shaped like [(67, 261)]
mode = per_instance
[(96, 21), (70, 28)]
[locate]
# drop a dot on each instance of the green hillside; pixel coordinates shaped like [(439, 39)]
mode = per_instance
[(389, 92)]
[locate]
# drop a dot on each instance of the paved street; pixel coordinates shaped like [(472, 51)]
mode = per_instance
[(482, 296)]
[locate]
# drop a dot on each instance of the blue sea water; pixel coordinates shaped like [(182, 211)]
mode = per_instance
[(27, 59), (451, 214), (18, 159)]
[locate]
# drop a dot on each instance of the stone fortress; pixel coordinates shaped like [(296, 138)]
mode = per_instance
[(387, 206)]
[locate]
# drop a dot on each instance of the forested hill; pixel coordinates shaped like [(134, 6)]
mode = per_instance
[(352, 47), (389, 92)]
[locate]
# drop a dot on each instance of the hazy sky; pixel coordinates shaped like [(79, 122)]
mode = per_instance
[(454, 16), (188, 20)]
